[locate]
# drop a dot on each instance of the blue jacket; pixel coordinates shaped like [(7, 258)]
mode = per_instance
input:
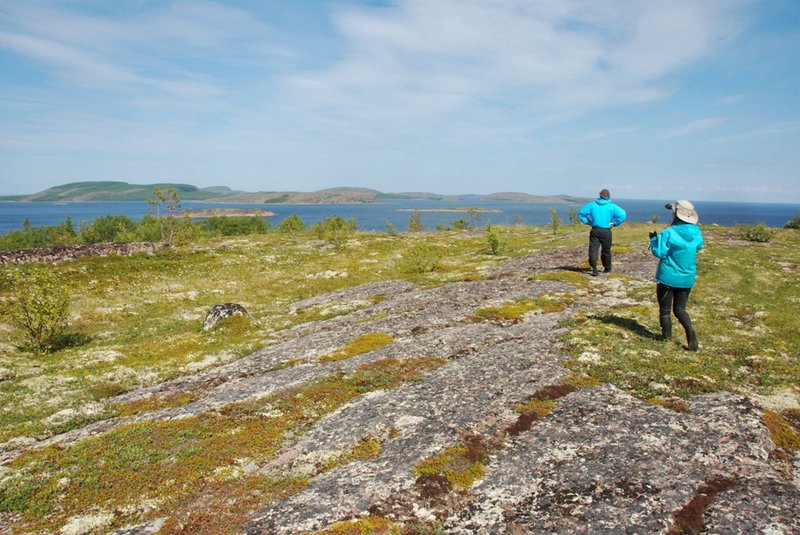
[(677, 247), (601, 213)]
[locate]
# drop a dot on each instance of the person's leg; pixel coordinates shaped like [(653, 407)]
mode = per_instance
[(679, 308), (605, 255), (594, 248), (664, 294)]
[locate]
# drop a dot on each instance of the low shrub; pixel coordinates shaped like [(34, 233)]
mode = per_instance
[(793, 223), (420, 258), (39, 307), (335, 230), (291, 223), (759, 232)]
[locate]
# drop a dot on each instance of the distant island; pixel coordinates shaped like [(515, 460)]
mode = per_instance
[(229, 212), (122, 191)]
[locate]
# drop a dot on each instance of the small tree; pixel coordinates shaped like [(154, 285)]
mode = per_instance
[(474, 216), (555, 221), (415, 222), (572, 215), (167, 207), (39, 307), (655, 218), (496, 244)]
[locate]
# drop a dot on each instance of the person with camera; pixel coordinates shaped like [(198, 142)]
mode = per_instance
[(676, 248)]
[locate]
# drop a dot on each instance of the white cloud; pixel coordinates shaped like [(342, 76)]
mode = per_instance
[(428, 60), (693, 127), (609, 132)]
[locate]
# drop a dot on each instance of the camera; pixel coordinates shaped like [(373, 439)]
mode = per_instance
[(653, 234)]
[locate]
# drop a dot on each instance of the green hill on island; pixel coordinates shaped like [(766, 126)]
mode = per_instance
[(122, 191)]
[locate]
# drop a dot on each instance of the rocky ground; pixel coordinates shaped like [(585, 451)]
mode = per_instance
[(601, 461)]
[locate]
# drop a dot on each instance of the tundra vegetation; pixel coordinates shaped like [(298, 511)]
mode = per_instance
[(137, 320)]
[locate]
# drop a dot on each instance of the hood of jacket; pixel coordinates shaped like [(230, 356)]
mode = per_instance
[(686, 231), (601, 201)]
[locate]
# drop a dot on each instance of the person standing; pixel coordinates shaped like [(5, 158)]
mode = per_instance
[(602, 215), (676, 248)]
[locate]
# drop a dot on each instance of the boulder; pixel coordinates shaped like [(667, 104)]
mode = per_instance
[(224, 310)]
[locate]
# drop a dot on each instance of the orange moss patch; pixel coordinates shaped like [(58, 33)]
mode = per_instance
[(783, 434), (676, 405)]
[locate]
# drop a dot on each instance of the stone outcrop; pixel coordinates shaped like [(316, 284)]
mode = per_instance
[(224, 310), (601, 461)]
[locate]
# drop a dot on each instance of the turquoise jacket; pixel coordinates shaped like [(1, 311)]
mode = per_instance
[(601, 213), (677, 247)]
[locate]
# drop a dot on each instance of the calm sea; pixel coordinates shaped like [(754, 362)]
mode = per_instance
[(374, 217)]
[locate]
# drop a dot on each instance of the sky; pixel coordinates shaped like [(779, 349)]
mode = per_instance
[(652, 99)]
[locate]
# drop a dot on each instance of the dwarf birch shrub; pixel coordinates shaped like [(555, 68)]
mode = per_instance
[(292, 223), (759, 232), (420, 258), (39, 307), (335, 230), (496, 244)]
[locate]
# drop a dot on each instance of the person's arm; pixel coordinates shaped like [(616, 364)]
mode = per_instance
[(659, 244), (584, 214), (619, 216)]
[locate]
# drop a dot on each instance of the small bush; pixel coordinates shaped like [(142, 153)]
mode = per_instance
[(420, 258), (335, 230), (759, 232), (496, 244), (572, 216), (793, 223), (107, 229), (555, 221), (460, 224), (233, 226), (39, 307), (292, 223)]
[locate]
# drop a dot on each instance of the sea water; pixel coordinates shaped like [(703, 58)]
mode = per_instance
[(397, 212)]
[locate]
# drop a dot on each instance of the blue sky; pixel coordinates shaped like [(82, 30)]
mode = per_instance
[(654, 99)]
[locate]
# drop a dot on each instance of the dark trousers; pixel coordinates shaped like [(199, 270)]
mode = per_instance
[(674, 300), (600, 238)]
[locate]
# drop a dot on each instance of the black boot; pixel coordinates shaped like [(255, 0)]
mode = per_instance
[(666, 327), (691, 340)]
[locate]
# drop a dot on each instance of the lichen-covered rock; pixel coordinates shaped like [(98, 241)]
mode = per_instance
[(593, 460), (224, 310)]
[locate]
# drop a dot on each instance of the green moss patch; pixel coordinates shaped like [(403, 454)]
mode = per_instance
[(516, 309), (363, 344), (461, 465)]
